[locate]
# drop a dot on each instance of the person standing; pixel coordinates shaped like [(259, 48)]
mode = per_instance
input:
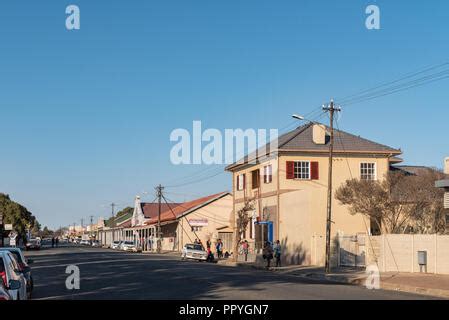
[(57, 241), (245, 247), (53, 242), (268, 253), (277, 253)]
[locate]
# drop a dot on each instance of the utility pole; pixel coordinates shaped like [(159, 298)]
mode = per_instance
[(112, 220), (331, 109), (159, 189), (91, 224)]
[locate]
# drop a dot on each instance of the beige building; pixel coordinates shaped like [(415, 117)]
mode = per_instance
[(288, 186), (206, 218)]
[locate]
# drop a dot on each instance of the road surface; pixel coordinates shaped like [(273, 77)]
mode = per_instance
[(108, 274)]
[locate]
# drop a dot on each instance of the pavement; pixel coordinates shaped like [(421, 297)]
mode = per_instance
[(421, 283), (109, 274)]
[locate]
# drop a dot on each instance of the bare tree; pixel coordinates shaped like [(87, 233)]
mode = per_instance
[(400, 203), (242, 221)]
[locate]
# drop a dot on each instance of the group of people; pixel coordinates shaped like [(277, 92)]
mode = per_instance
[(269, 252), (54, 241), (218, 249)]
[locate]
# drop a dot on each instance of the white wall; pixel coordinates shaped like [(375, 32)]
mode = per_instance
[(399, 252)]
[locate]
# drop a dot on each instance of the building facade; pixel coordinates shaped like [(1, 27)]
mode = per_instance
[(288, 189)]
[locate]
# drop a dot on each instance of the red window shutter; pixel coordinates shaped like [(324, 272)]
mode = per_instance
[(290, 169), (314, 167), (244, 181), (238, 182)]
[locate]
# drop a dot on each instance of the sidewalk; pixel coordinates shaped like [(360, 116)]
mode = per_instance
[(427, 284)]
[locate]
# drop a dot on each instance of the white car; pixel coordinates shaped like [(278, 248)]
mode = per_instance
[(116, 245), (14, 281), (194, 252), (129, 246), (85, 242), (33, 243)]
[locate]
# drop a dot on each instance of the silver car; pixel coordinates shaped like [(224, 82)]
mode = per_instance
[(14, 281), (129, 246), (194, 252), (116, 245)]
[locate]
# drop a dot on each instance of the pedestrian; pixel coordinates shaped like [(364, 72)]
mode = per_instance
[(268, 253), (57, 241), (245, 247), (277, 253), (53, 242), (208, 244), (219, 247)]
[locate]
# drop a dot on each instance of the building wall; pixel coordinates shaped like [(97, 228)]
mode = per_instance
[(218, 215), (300, 220), (399, 252)]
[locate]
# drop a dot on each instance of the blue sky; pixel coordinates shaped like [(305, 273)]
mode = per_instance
[(86, 115)]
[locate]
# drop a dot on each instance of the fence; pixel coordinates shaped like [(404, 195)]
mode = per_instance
[(399, 252)]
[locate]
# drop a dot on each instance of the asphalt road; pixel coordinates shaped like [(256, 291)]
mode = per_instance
[(108, 274)]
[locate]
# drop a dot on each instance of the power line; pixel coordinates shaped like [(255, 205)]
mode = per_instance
[(394, 89), (403, 77)]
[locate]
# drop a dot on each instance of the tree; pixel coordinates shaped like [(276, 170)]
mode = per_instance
[(242, 222), (399, 203), (126, 211), (17, 215), (46, 233)]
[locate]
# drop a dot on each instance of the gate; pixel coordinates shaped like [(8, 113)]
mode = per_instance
[(352, 251)]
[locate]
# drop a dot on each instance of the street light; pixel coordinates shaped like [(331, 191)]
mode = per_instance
[(297, 116)]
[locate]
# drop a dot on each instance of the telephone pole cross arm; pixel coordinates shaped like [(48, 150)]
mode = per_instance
[(331, 109)]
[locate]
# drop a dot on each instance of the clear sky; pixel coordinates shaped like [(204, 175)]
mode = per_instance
[(86, 115)]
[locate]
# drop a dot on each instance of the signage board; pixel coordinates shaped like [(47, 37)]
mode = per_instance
[(198, 222), (8, 227)]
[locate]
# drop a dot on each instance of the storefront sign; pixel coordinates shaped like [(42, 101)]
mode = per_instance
[(8, 227), (198, 222)]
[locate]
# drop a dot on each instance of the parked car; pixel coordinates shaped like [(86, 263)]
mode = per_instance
[(85, 242), (96, 243), (116, 245), (33, 243), (129, 246), (4, 294), (13, 280), (23, 267), (194, 252)]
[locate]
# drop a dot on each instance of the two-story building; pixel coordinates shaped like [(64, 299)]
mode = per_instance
[(288, 187)]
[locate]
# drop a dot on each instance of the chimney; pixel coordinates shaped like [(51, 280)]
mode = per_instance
[(446, 165), (319, 134)]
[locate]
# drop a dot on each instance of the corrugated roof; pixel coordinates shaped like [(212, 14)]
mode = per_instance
[(151, 209), (185, 208)]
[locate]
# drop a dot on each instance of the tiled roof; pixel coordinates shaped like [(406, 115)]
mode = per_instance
[(185, 208), (301, 139), (411, 170)]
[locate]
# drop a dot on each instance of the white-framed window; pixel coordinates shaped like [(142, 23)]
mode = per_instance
[(240, 182), (301, 169), (267, 174), (368, 171)]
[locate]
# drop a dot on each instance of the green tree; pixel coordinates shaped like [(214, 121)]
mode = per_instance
[(126, 211), (17, 215)]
